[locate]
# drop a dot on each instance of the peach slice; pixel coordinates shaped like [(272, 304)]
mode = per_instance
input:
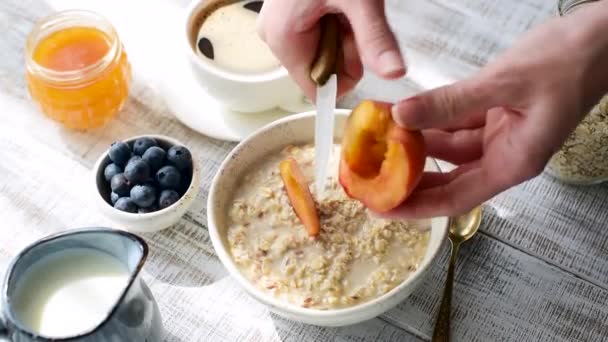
[(299, 195), (381, 163)]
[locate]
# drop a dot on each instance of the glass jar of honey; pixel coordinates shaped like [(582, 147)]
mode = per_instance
[(77, 69)]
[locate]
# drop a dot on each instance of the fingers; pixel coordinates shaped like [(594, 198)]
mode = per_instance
[(509, 159), (457, 147), (292, 32), (447, 105), (433, 179), (353, 69), (450, 196), (470, 121), (294, 45), (375, 40)]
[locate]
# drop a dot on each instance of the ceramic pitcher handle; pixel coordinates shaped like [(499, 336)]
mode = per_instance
[(3, 329), (4, 336)]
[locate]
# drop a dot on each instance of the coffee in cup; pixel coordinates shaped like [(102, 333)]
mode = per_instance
[(231, 62), (227, 37)]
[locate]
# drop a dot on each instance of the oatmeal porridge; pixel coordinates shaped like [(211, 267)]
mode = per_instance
[(355, 258)]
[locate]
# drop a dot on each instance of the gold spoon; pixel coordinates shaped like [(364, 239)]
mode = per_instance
[(462, 228)]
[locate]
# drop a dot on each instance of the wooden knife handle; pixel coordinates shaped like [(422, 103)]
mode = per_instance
[(329, 55)]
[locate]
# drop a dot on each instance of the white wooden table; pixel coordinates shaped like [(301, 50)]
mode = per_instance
[(538, 271)]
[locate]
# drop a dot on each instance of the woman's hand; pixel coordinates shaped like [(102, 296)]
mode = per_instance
[(291, 30), (502, 125)]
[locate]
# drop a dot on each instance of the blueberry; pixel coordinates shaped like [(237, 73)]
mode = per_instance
[(142, 144), (119, 153), (168, 177), (114, 197), (149, 209), (133, 158), (137, 172), (155, 157), (111, 170), (167, 198), (126, 204), (180, 157), (143, 195), (120, 185)]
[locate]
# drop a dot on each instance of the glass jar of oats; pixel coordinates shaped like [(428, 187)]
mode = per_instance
[(583, 159)]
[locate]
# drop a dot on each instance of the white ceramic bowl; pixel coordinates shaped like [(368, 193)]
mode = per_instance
[(149, 222), (296, 129)]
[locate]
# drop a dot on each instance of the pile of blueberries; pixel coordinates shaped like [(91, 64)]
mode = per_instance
[(147, 177)]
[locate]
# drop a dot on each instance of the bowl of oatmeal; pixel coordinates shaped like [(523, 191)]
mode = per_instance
[(356, 268)]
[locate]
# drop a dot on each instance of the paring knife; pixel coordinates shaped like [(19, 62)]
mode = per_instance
[(324, 73)]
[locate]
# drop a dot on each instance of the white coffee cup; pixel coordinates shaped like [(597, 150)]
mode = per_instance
[(246, 93)]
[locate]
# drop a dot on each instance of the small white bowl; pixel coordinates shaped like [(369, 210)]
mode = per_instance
[(297, 129), (148, 222)]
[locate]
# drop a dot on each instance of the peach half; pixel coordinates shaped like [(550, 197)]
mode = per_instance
[(299, 195), (381, 163)]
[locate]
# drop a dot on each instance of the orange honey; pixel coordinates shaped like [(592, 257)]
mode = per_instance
[(77, 69)]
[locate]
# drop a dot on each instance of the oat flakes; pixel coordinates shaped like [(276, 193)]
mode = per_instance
[(583, 159), (355, 258)]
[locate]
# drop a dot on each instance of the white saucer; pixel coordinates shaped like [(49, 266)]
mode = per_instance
[(198, 110)]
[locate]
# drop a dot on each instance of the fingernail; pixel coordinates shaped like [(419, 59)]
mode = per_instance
[(408, 113), (391, 64)]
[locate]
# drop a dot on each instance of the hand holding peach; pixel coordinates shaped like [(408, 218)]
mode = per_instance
[(502, 125), (381, 163)]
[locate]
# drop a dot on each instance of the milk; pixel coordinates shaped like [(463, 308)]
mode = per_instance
[(69, 292)]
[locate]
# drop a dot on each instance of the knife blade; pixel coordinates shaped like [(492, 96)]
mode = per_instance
[(324, 130), (324, 74)]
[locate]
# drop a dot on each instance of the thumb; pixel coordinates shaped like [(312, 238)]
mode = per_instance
[(445, 105), (375, 40)]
